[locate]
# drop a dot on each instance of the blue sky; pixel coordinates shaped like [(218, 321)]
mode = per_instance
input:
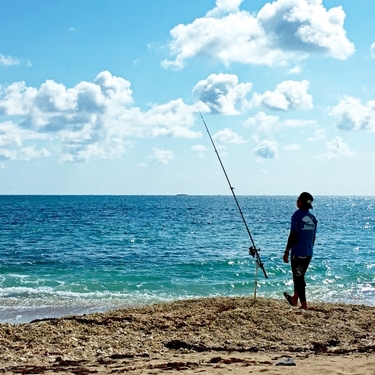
[(102, 97)]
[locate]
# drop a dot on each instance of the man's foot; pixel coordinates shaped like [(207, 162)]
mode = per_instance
[(289, 299)]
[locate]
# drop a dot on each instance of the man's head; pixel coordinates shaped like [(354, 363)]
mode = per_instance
[(305, 200)]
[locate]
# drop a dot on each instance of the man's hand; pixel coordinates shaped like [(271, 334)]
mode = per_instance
[(286, 256)]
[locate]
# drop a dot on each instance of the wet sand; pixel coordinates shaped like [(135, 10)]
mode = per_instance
[(212, 335)]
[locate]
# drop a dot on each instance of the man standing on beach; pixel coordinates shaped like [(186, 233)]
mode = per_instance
[(301, 242)]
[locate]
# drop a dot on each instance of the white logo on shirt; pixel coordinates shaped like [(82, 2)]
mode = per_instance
[(308, 223)]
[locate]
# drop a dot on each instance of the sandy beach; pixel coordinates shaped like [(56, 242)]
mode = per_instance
[(213, 335)]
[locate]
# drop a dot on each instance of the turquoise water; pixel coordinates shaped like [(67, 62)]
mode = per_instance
[(63, 255)]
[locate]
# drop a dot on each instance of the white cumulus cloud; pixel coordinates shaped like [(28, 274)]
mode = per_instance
[(295, 70), (9, 60), (305, 25), (372, 50), (264, 123), (90, 120), (225, 6), (222, 93), (336, 148), (266, 150), (200, 150), (353, 115), (161, 156), (6, 154), (281, 32), (319, 134), (288, 95), (227, 136), (20, 144), (170, 119)]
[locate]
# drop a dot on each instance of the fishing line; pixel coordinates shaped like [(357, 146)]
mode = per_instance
[(253, 250)]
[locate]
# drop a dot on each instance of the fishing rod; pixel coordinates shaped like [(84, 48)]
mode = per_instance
[(253, 250)]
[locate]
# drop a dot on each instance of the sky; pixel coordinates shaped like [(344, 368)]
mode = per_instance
[(106, 97)]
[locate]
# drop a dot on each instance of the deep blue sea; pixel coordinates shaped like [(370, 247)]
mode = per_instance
[(63, 255)]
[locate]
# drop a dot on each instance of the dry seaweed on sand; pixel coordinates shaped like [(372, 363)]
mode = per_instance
[(237, 324)]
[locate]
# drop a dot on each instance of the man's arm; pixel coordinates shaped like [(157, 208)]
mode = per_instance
[(292, 240)]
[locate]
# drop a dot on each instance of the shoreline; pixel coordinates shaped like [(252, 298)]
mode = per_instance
[(72, 308), (209, 333)]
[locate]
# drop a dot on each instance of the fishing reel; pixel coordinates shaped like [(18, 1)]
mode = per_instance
[(253, 251)]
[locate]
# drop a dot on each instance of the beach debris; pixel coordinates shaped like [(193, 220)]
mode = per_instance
[(232, 360), (285, 361), (179, 344), (179, 366), (121, 356)]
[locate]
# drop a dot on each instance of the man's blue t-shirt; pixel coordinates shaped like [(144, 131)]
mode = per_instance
[(304, 224)]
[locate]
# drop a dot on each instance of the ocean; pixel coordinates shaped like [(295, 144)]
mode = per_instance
[(64, 255)]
